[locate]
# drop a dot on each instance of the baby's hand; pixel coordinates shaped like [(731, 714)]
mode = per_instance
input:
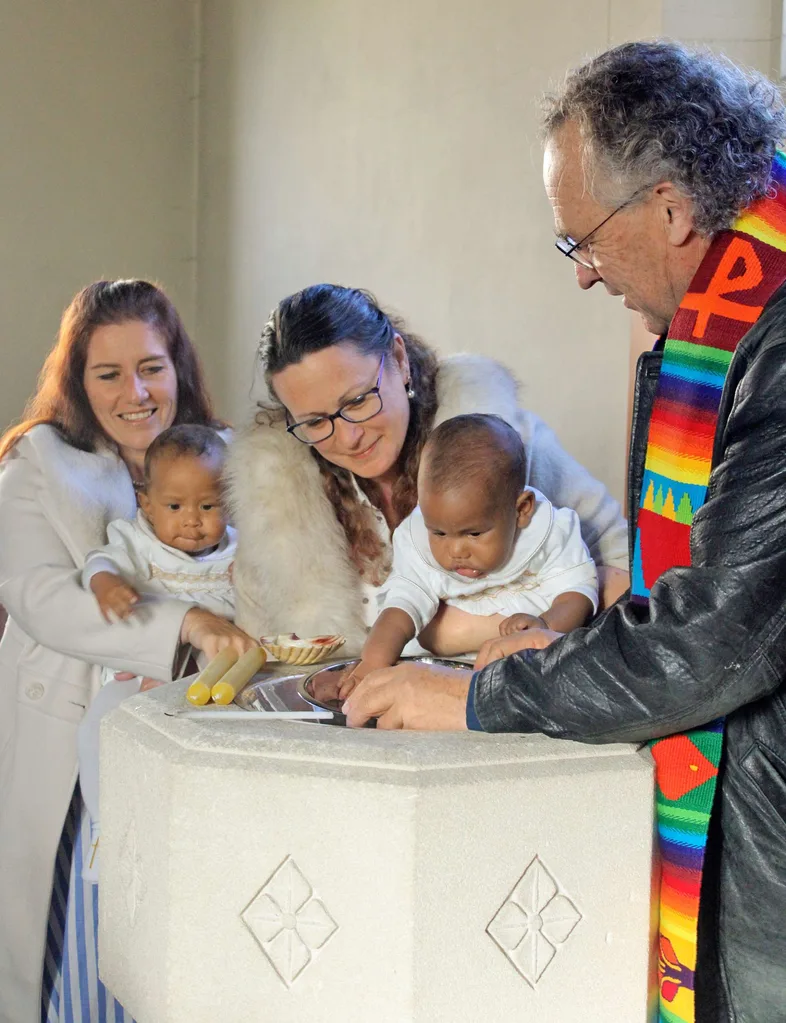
[(520, 623), (116, 599)]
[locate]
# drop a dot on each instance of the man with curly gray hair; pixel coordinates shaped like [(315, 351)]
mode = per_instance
[(667, 186), (652, 150)]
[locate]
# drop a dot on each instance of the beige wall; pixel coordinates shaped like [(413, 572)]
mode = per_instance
[(748, 31), (391, 146), (97, 175), (394, 146)]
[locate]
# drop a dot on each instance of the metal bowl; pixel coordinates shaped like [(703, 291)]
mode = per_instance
[(273, 689), (320, 688)]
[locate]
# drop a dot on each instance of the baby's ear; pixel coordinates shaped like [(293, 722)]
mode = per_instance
[(525, 508), (144, 500)]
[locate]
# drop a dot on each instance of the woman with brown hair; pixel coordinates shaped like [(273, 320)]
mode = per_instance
[(122, 371), (329, 469)]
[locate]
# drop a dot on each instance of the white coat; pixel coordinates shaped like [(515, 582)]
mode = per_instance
[(55, 504), (293, 572)]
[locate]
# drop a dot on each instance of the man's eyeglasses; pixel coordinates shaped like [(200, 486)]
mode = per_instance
[(356, 410), (570, 248)]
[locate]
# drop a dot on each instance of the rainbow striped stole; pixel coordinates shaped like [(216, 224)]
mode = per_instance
[(739, 274)]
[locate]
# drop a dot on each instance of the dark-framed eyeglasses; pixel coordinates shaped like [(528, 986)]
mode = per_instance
[(356, 410), (570, 248)]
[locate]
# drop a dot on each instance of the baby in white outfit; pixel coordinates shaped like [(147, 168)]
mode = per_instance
[(482, 541), (180, 543)]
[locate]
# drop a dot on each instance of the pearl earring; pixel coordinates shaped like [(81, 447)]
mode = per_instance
[(410, 391)]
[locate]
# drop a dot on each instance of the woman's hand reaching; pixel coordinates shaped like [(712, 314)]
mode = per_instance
[(204, 631), (211, 633), (520, 623)]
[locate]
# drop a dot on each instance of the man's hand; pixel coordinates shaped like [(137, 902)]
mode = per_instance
[(116, 599), (520, 623), (355, 674), (411, 696), (532, 639)]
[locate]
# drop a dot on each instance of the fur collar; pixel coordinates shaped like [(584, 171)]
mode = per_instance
[(292, 571)]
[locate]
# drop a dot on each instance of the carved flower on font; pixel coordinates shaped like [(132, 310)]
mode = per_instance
[(288, 921), (533, 921)]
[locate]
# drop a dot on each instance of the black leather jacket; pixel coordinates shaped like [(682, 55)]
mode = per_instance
[(712, 644)]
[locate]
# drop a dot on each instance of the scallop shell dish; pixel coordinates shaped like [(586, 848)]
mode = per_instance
[(291, 649)]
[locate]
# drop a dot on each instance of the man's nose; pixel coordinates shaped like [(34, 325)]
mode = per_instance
[(586, 277)]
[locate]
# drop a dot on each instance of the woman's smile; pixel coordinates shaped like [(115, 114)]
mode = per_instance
[(137, 417), (367, 451)]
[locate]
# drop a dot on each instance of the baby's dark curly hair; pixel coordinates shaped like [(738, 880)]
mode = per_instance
[(185, 439), (475, 451)]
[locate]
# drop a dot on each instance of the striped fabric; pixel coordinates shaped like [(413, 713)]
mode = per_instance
[(739, 274), (72, 992)]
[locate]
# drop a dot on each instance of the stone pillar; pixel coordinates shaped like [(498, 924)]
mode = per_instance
[(282, 872)]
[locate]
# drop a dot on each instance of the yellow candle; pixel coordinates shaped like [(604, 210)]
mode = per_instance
[(199, 690), (239, 675)]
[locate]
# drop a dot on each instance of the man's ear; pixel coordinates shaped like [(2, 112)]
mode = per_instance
[(525, 508), (676, 212)]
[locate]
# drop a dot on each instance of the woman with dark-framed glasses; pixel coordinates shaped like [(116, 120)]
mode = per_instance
[(329, 468)]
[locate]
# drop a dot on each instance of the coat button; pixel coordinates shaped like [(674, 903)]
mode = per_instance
[(365, 600), (34, 691)]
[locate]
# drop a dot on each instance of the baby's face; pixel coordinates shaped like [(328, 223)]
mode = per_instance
[(182, 502), (469, 533)]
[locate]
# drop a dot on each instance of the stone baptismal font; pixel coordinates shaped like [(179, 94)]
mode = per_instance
[(280, 871)]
